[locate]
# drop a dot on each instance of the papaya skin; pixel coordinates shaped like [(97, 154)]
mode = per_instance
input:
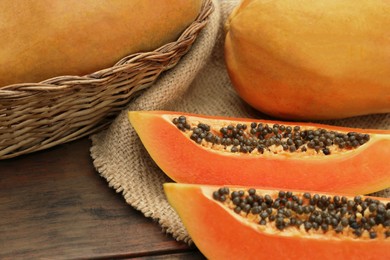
[(310, 60), (220, 234), (362, 170), (44, 39)]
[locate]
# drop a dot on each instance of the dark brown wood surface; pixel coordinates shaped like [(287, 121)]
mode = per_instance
[(54, 205)]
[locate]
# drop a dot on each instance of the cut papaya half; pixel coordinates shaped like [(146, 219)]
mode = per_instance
[(256, 223), (201, 149)]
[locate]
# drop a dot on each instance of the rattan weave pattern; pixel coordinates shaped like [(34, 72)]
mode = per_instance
[(36, 116)]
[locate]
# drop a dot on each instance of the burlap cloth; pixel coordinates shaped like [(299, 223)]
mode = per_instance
[(198, 84)]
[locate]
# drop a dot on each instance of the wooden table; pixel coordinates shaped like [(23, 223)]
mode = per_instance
[(54, 205)]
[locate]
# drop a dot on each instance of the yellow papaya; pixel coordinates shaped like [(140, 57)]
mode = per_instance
[(48, 38), (325, 59)]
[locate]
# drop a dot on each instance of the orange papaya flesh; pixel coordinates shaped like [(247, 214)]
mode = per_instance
[(363, 169), (326, 232)]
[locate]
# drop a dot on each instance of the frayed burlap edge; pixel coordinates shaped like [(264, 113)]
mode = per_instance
[(121, 159)]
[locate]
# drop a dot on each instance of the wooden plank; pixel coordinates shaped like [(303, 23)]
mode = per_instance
[(53, 203), (195, 255)]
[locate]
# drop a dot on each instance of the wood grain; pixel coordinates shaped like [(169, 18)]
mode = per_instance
[(54, 204)]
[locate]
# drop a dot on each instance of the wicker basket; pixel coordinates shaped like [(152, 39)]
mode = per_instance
[(58, 110)]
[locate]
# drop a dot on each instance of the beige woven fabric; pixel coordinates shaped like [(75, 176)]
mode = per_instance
[(198, 84)]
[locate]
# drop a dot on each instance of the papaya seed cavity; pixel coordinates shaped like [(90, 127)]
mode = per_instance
[(260, 138), (355, 217)]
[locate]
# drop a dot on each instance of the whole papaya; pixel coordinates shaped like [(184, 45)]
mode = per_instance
[(48, 38), (323, 59)]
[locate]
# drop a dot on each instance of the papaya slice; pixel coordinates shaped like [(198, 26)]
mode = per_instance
[(281, 224), (200, 149)]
